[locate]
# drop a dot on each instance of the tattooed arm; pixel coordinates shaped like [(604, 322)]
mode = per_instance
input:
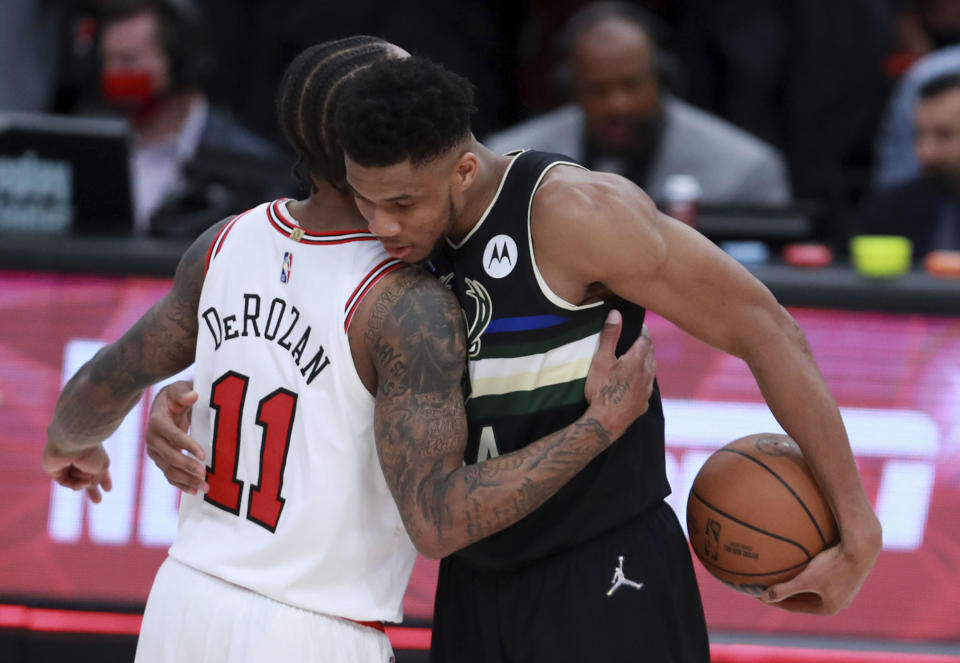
[(98, 397), (414, 337)]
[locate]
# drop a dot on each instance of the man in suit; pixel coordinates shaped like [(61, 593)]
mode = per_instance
[(187, 153), (622, 120)]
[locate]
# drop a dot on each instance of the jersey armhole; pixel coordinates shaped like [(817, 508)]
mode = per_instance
[(545, 288), (219, 239), (366, 283)]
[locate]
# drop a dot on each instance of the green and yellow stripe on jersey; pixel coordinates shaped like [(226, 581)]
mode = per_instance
[(534, 375)]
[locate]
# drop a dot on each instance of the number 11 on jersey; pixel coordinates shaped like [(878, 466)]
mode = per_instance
[(275, 413)]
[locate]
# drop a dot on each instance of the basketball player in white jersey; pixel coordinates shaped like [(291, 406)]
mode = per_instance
[(330, 417)]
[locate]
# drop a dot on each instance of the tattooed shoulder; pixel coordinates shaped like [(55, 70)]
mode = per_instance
[(415, 333)]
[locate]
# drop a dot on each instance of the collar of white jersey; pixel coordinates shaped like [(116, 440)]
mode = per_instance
[(281, 220)]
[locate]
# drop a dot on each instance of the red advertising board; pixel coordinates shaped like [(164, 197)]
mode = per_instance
[(896, 377)]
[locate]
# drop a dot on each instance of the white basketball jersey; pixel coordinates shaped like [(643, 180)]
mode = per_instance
[(298, 508)]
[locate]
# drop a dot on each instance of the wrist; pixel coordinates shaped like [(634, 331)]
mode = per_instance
[(61, 444), (861, 534), (607, 425)]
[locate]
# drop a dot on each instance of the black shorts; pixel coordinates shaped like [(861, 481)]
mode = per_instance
[(561, 608)]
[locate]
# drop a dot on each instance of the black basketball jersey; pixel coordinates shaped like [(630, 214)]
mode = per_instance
[(529, 353)]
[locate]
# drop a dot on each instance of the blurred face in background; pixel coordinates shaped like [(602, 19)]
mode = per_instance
[(136, 68), (937, 129), (615, 82)]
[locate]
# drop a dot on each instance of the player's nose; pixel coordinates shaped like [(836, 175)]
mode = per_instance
[(383, 224)]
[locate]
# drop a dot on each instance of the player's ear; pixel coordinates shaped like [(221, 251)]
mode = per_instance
[(465, 171)]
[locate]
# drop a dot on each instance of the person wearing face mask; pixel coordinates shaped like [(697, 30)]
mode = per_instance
[(150, 73), (622, 120)]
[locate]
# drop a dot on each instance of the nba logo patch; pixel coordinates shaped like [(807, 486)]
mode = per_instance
[(287, 266)]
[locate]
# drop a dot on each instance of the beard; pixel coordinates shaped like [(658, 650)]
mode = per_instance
[(452, 215)]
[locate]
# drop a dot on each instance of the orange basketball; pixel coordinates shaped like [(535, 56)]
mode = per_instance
[(755, 515)]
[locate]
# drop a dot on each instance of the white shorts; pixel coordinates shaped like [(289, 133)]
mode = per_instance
[(193, 616)]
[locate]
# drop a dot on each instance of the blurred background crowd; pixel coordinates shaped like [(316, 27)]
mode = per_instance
[(845, 113)]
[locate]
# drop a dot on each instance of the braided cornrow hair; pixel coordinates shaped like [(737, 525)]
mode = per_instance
[(306, 104)]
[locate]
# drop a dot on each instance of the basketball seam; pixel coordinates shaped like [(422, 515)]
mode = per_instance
[(759, 462), (754, 528)]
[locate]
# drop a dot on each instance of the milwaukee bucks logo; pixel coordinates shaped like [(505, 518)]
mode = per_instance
[(482, 314)]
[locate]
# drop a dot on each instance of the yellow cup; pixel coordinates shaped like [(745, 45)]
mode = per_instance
[(881, 255)]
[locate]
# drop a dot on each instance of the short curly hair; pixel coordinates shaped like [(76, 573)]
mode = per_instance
[(403, 109), (307, 97)]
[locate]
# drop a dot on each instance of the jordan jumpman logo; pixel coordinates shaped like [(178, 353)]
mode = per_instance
[(619, 579)]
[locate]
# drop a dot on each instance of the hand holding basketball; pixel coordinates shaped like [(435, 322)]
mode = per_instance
[(755, 515), (758, 522), (831, 579)]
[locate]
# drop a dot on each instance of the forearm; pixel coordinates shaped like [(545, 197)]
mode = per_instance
[(799, 398), (475, 501), (160, 344), (97, 398), (87, 412)]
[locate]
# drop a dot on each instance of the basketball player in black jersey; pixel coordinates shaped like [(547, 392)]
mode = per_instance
[(537, 250)]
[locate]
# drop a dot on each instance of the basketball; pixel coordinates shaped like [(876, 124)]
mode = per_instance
[(755, 515)]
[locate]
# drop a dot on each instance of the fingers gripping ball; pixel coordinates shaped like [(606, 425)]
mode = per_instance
[(755, 515)]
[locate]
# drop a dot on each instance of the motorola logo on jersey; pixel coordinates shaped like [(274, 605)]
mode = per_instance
[(500, 256)]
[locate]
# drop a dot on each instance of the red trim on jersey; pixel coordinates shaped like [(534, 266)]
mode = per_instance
[(282, 222), (376, 625), (220, 238), (206, 264), (364, 280), (375, 274)]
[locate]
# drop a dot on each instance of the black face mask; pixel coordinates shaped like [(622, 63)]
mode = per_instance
[(944, 38), (646, 133)]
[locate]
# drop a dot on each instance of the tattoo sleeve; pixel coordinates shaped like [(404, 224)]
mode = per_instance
[(416, 340), (160, 344)]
